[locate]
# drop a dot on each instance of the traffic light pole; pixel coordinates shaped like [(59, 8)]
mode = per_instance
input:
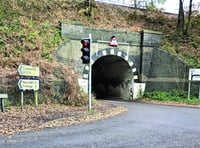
[(90, 77)]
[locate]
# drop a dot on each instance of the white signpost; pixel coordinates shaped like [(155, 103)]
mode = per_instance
[(28, 81), (28, 84), (27, 70), (194, 75)]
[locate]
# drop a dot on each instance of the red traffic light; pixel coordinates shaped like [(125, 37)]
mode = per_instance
[(85, 42), (85, 51)]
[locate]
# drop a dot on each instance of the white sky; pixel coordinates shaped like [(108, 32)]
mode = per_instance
[(172, 6)]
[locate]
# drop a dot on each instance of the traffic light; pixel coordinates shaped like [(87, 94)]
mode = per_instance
[(85, 51)]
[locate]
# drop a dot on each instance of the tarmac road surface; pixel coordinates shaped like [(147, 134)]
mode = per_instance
[(143, 126)]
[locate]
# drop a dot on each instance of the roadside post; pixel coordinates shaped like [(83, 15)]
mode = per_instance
[(29, 80), (194, 75), (90, 78), (3, 97), (86, 59)]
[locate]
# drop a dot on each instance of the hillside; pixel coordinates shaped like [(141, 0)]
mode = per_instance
[(30, 32), (34, 25)]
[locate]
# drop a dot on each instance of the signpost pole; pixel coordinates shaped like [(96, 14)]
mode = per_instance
[(2, 105), (194, 75), (199, 91), (3, 97), (36, 98), (90, 78), (22, 100), (133, 88), (28, 81), (189, 89)]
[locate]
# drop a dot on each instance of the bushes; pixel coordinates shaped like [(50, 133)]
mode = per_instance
[(174, 95), (49, 72)]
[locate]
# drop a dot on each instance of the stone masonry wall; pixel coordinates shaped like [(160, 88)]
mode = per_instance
[(160, 70)]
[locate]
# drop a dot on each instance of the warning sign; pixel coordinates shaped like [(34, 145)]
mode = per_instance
[(113, 41)]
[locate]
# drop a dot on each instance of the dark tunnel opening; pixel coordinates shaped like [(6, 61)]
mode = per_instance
[(111, 77)]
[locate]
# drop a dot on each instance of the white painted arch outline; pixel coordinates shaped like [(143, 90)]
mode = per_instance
[(110, 51)]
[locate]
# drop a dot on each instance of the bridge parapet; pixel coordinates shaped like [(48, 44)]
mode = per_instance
[(76, 32), (148, 63)]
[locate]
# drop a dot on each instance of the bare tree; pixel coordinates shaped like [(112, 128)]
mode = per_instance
[(181, 18), (182, 27), (189, 19), (147, 3), (153, 2), (90, 7), (135, 3)]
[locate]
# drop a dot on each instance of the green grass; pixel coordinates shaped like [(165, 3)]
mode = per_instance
[(175, 95)]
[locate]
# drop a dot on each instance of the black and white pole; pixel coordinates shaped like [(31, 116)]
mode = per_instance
[(90, 77), (86, 59)]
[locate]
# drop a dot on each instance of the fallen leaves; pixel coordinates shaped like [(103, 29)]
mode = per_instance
[(30, 118)]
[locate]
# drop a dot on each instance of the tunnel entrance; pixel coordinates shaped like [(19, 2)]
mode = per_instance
[(111, 77)]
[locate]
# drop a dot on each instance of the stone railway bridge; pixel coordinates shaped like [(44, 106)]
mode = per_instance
[(115, 70)]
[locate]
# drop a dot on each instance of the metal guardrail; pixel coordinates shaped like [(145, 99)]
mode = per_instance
[(142, 4), (195, 7), (127, 3)]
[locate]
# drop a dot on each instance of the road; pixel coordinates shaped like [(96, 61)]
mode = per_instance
[(143, 126)]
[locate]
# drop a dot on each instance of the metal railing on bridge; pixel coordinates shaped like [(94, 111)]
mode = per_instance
[(127, 3)]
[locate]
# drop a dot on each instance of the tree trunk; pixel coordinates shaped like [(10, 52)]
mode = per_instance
[(181, 19), (189, 19), (92, 5), (135, 4), (90, 8)]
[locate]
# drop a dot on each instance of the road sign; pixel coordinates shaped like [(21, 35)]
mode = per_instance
[(113, 41), (27, 70), (28, 84), (194, 74)]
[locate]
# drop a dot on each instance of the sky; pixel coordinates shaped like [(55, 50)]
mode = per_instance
[(170, 6)]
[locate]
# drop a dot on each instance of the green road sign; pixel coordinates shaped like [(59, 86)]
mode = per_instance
[(28, 84), (27, 70)]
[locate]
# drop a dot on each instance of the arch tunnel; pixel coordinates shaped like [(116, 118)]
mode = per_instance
[(112, 75)]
